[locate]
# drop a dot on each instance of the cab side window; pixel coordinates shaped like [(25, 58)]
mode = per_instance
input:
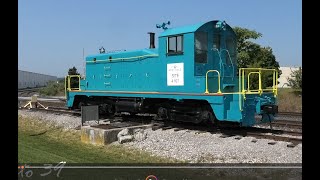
[(175, 45)]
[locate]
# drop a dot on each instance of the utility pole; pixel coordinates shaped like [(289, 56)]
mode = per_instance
[(84, 63), (83, 54)]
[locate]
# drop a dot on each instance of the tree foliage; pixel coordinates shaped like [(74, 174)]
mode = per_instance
[(295, 81), (53, 88), (251, 54), (73, 71), (57, 88)]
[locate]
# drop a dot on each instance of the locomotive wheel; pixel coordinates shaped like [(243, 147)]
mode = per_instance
[(212, 118), (162, 113), (207, 117)]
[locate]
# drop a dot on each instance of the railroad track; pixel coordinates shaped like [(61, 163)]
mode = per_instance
[(58, 110), (295, 114), (288, 124), (295, 137), (294, 122), (293, 140), (29, 89), (57, 107)]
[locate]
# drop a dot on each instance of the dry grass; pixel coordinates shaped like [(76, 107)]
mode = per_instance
[(289, 100)]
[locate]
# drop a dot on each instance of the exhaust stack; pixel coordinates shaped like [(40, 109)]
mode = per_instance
[(152, 46)]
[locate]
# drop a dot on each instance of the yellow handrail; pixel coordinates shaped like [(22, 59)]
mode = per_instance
[(242, 76), (65, 87), (68, 85), (240, 106), (260, 83), (276, 87), (219, 90), (264, 69), (242, 90)]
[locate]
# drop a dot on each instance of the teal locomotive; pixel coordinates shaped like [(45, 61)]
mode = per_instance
[(192, 76)]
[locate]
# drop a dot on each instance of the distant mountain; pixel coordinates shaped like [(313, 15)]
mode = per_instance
[(60, 78)]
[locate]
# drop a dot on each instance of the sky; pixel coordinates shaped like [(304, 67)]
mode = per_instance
[(55, 35)]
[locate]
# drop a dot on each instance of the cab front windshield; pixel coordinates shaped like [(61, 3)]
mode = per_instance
[(201, 47)]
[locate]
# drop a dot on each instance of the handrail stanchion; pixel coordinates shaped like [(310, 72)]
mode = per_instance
[(276, 87), (65, 87), (69, 84), (260, 83), (240, 95)]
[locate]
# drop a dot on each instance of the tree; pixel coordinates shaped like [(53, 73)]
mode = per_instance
[(74, 82), (251, 54), (53, 88), (295, 81), (73, 71)]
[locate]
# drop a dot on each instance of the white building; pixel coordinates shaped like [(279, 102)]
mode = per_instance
[(286, 72), (30, 79)]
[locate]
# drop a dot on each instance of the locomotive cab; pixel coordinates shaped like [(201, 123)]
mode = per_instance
[(200, 48)]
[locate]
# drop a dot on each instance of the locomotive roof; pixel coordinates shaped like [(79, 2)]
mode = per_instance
[(183, 29)]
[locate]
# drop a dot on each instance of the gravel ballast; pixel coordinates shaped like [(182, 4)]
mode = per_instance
[(186, 145), (62, 120), (211, 148)]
